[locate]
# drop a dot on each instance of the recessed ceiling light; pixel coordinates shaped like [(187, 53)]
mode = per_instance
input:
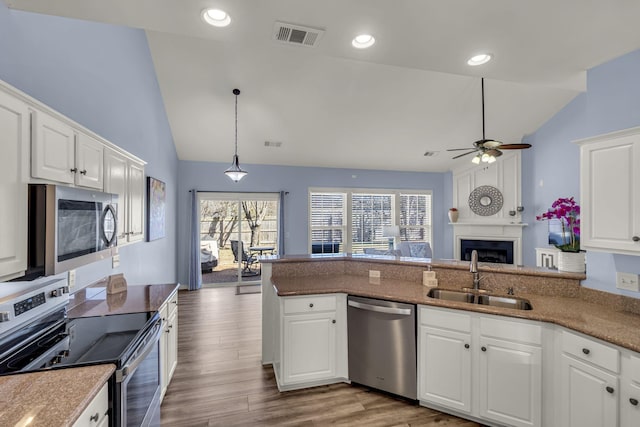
[(363, 41), (216, 17), (480, 59)]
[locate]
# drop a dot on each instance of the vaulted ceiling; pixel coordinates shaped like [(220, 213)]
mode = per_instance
[(377, 108)]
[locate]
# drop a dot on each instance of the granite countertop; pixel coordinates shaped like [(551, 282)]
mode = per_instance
[(94, 300), (606, 320), (53, 398)]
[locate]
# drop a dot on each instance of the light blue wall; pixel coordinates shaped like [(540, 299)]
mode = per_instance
[(611, 102), (297, 180), (101, 76)]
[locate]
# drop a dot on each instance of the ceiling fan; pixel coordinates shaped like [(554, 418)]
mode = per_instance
[(487, 149)]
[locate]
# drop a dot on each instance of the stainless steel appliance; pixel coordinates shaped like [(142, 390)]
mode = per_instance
[(69, 227), (38, 335), (382, 345)]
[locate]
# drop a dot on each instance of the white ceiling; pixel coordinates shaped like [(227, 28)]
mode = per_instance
[(379, 108)]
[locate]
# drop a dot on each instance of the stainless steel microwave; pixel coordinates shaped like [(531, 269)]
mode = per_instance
[(69, 227)]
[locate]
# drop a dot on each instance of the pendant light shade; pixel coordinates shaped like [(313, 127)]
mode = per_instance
[(235, 172)]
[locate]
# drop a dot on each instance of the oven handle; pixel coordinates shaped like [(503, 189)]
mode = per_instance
[(141, 354)]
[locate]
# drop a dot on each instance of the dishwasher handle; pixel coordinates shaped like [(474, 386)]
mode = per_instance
[(379, 308)]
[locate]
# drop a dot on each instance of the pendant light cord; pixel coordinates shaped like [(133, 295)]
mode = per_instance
[(236, 151), (482, 83)]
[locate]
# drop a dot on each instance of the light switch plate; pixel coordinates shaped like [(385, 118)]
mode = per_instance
[(374, 273), (628, 281), (115, 261)]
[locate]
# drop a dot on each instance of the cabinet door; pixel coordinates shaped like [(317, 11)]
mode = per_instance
[(89, 161), (164, 346), (630, 406), (444, 359), (589, 396), (610, 189), (172, 346), (309, 347), (52, 149), (136, 202), (14, 131), (510, 382), (115, 181)]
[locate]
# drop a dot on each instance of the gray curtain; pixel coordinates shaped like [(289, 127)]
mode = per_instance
[(281, 224), (195, 274)]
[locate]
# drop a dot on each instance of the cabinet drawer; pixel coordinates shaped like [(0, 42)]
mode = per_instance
[(591, 351), (511, 330), (97, 410), (172, 304), (445, 318), (310, 304)]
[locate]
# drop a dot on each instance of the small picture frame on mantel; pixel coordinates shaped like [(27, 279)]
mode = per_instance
[(156, 208)]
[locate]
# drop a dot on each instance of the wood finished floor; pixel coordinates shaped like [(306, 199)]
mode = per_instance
[(220, 380)]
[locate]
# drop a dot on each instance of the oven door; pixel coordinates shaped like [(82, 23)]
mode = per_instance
[(138, 383)]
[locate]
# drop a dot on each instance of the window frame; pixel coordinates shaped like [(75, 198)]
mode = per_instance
[(347, 243)]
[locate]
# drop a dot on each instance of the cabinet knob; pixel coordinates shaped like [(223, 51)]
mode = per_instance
[(466, 346), (609, 389), (94, 417), (633, 401), (311, 305), (586, 351), (74, 170), (636, 238), (333, 321), (483, 348), (83, 172)]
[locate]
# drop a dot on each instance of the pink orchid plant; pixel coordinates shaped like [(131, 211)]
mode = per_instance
[(567, 212)]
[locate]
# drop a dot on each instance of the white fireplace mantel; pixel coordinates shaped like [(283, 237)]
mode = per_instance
[(503, 231)]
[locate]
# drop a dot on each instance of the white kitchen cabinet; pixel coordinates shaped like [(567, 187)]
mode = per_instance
[(125, 177), (630, 390), (169, 341), (610, 192), (60, 153), (14, 131), (313, 341), (96, 414), (482, 366), (589, 392), (445, 365)]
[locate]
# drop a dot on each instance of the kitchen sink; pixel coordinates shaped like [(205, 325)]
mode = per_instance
[(482, 299)]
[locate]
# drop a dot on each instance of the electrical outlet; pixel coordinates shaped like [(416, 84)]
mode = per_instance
[(628, 281), (115, 261), (72, 279), (374, 274)]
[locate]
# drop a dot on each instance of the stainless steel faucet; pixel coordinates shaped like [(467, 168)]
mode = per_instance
[(473, 268)]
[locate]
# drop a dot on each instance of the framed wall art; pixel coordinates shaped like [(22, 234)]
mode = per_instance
[(156, 208)]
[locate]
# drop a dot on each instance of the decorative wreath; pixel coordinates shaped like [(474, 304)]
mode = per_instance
[(485, 200)]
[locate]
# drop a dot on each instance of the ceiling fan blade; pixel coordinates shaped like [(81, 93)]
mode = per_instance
[(464, 154), (459, 149), (514, 146)]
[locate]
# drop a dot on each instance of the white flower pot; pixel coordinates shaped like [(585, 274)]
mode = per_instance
[(453, 216), (571, 262)]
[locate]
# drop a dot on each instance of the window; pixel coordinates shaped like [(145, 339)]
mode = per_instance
[(364, 214)]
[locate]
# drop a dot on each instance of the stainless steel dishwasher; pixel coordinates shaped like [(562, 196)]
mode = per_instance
[(382, 345)]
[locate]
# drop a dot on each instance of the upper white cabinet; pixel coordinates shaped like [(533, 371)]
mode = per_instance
[(125, 177), (610, 192), (63, 154), (504, 174), (14, 134)]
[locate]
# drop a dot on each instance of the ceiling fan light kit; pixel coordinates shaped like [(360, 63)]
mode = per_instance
[(487, 149), (234, 171)]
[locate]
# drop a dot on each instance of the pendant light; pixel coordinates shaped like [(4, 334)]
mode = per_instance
[(234, 172)]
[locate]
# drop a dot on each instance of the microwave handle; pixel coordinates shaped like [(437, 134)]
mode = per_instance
[(140, 355)]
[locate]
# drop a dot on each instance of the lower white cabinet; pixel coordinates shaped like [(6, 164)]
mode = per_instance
[(313, 345), (96, 414), (168, 341), (481, 366)]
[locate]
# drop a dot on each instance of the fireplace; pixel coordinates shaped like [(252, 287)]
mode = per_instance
[(496, 251)]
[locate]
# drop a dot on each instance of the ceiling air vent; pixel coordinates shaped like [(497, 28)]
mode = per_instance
[(273, 144), (297, 34)]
